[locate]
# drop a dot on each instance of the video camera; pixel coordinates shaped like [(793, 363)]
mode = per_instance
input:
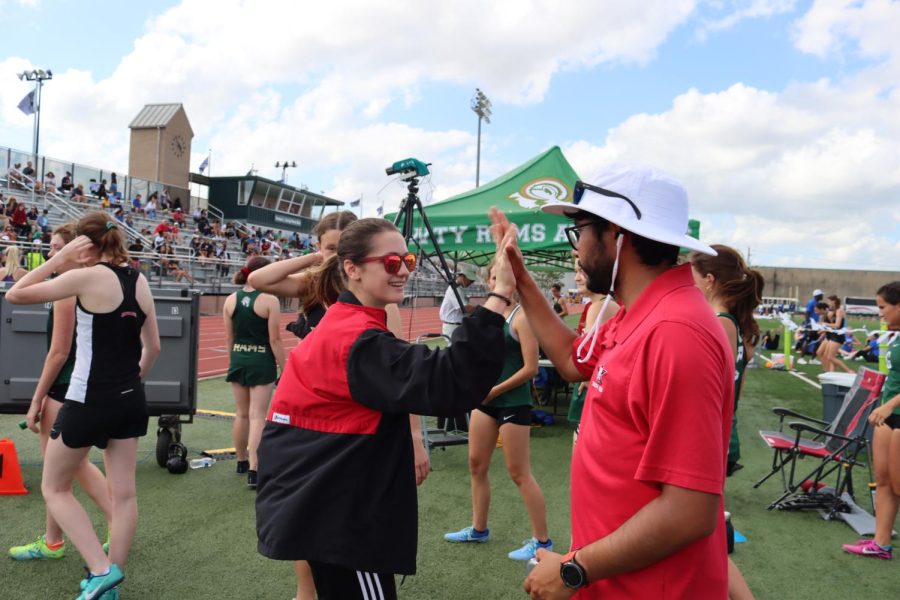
[(408, 168)]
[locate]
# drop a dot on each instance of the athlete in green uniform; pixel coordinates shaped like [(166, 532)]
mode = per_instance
[(253, 338), (46, 401), (886, 437), (734, 291), (507, 409)]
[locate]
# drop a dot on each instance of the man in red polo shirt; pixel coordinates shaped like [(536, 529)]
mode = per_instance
[(648, 470)]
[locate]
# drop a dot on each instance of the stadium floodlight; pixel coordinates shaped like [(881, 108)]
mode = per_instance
[(482, 107), (284, 166)]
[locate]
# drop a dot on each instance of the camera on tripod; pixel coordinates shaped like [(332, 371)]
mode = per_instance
[(408, 168)]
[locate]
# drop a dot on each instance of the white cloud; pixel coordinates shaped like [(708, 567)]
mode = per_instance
[(741, 10), (266, 80), (817, 165)]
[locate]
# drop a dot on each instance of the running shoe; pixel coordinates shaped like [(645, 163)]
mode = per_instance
[(242, 467), (528, 551), (251, 480), (868, 548), (96, 587), (468, 534), (36, 550)]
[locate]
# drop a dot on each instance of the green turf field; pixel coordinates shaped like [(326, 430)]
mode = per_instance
[(196, 537)]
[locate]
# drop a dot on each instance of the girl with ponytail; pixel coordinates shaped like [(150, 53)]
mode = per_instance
[(253, 339), (47, 400), (734, 291), (337, 479), (116, 346)]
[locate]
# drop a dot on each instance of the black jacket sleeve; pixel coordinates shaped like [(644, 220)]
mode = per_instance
[(394, 376)]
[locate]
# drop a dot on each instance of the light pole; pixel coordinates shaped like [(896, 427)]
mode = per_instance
[(39, 76), (482, 107), (284, 166)]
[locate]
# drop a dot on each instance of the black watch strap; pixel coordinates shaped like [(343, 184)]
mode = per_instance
[(572, 573)]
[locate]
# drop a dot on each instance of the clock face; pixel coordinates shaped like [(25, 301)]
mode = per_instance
[(178, 146)]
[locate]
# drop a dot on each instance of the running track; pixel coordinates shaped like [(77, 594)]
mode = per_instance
[(212, 356)]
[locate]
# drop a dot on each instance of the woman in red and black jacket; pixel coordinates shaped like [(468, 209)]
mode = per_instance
[(336, 482)]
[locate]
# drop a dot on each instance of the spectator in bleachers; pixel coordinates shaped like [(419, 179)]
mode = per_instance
[(14, 176), (8, 234), (223, 256), (119, 214), (165, 200), (20, 221), (78, 193), (113, 184), (102, 193), (33, 213), (129, 220), (178, 215), (229, 230), (136, 205), (50, 182), (11, 207), (150, 208), (43, 221), (164, 227), (195, 244), (65, 185), (93, 186), (171, 266), (176, 204), (12, 265), (29, 172)]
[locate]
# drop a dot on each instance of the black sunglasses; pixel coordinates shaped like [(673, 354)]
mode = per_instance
[(581, 186)]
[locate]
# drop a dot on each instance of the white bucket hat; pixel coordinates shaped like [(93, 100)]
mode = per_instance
[(642, 200)]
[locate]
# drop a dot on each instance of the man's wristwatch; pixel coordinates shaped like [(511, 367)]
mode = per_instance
[(572, 573)]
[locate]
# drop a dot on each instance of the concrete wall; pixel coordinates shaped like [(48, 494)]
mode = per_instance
[(800, 283)]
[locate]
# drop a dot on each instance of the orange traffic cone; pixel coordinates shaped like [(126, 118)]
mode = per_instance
[(10, 473)]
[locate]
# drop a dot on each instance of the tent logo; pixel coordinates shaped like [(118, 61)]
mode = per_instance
[(539, 192)]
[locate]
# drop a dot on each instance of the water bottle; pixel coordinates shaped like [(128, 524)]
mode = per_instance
[(202, 462)]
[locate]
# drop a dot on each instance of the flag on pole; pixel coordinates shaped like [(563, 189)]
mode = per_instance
[(26, 105), (380, 210), (204, 164), (355, 203)]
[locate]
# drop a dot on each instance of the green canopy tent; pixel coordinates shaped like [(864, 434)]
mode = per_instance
[(461, 223)]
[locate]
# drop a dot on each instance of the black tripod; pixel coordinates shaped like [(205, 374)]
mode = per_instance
[(404, 222)]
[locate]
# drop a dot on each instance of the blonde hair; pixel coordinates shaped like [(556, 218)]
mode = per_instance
[(13, 261)]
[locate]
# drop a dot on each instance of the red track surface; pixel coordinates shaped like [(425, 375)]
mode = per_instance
[(213, 356)]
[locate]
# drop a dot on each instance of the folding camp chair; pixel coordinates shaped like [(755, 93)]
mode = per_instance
[(834, 447), (452, 431)]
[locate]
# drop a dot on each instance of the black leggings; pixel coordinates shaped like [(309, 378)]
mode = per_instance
[(340, 583)]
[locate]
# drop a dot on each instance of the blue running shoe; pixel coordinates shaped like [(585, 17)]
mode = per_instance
[(468, 534), (96, 587), (528, 551)]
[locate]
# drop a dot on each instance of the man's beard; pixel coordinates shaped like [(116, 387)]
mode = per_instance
[(599, 273)]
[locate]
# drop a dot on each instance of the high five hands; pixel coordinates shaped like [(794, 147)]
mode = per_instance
[(509, 256)]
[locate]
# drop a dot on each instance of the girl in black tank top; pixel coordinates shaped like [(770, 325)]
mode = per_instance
[(117, 344), (835, 338), (46, 403)]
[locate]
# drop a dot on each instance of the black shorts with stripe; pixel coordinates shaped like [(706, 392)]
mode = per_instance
[(95, 422), (340, 583)]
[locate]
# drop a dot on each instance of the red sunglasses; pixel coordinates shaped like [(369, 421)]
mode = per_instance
[(392, 262)]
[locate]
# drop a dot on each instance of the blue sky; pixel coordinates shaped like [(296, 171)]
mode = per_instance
[(780, 116)]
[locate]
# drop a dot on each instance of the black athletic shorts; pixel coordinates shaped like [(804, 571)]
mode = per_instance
[(893, 421), (340, 583), (58, 392), (839, 338), (517, 415), (95, 422)]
